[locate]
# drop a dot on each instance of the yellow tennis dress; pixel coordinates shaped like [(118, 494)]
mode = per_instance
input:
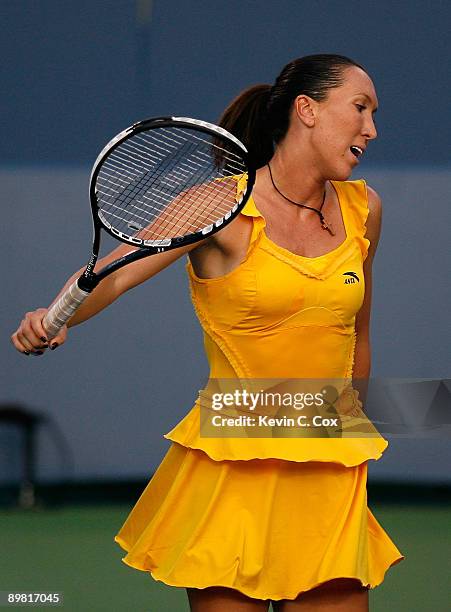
[(269, 516)]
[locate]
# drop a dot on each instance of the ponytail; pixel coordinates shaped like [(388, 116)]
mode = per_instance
[(246, 118)]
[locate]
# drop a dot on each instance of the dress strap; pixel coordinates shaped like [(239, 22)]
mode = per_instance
[(250, 210), (354, 197)]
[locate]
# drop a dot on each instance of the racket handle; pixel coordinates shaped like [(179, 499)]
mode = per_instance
[(63, 309)]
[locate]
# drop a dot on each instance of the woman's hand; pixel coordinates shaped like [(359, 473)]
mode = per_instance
[(31, 337)]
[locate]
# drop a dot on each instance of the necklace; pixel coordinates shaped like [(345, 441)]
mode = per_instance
[(324, 224)]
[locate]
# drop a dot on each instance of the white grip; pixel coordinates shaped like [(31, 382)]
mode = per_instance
[(63, 309)]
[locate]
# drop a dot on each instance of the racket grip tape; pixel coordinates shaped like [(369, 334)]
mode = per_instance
[(63, 309)]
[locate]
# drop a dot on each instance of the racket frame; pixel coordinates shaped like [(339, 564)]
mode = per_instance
[(89, 280), (63, 309)]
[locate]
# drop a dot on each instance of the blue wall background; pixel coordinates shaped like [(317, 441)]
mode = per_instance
[(74, 74)]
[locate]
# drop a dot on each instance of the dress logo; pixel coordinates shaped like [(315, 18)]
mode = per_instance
[(351, 277)]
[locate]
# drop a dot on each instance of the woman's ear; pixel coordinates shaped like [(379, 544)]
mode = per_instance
[(304, 107)]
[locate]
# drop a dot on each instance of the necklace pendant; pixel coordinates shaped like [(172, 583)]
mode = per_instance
[(327, 227)]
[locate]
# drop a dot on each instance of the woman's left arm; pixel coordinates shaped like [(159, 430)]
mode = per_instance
[(362, 358)]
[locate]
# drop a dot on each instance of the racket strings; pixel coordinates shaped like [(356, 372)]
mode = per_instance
[(179, 208), (198, 159), (182, 174), (168, 182)]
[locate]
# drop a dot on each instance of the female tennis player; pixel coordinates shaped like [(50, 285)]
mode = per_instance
[(243, 522)]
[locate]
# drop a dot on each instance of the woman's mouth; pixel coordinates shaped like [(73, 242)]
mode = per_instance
[(356, 151)]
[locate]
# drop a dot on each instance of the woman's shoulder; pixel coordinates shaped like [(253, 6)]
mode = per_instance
[(374, 201), (374, 219)]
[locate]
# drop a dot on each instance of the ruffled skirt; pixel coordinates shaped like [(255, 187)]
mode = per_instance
[(269, 528)]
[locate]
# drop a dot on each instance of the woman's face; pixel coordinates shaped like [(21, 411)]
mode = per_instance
[(344, 121)]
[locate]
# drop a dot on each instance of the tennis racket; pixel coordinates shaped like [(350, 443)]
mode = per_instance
[(160, 184)]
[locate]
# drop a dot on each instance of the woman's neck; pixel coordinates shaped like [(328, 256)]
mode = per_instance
[(297, 180)]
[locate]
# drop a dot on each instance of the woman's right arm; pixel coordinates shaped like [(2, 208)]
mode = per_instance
[(30, 336)]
